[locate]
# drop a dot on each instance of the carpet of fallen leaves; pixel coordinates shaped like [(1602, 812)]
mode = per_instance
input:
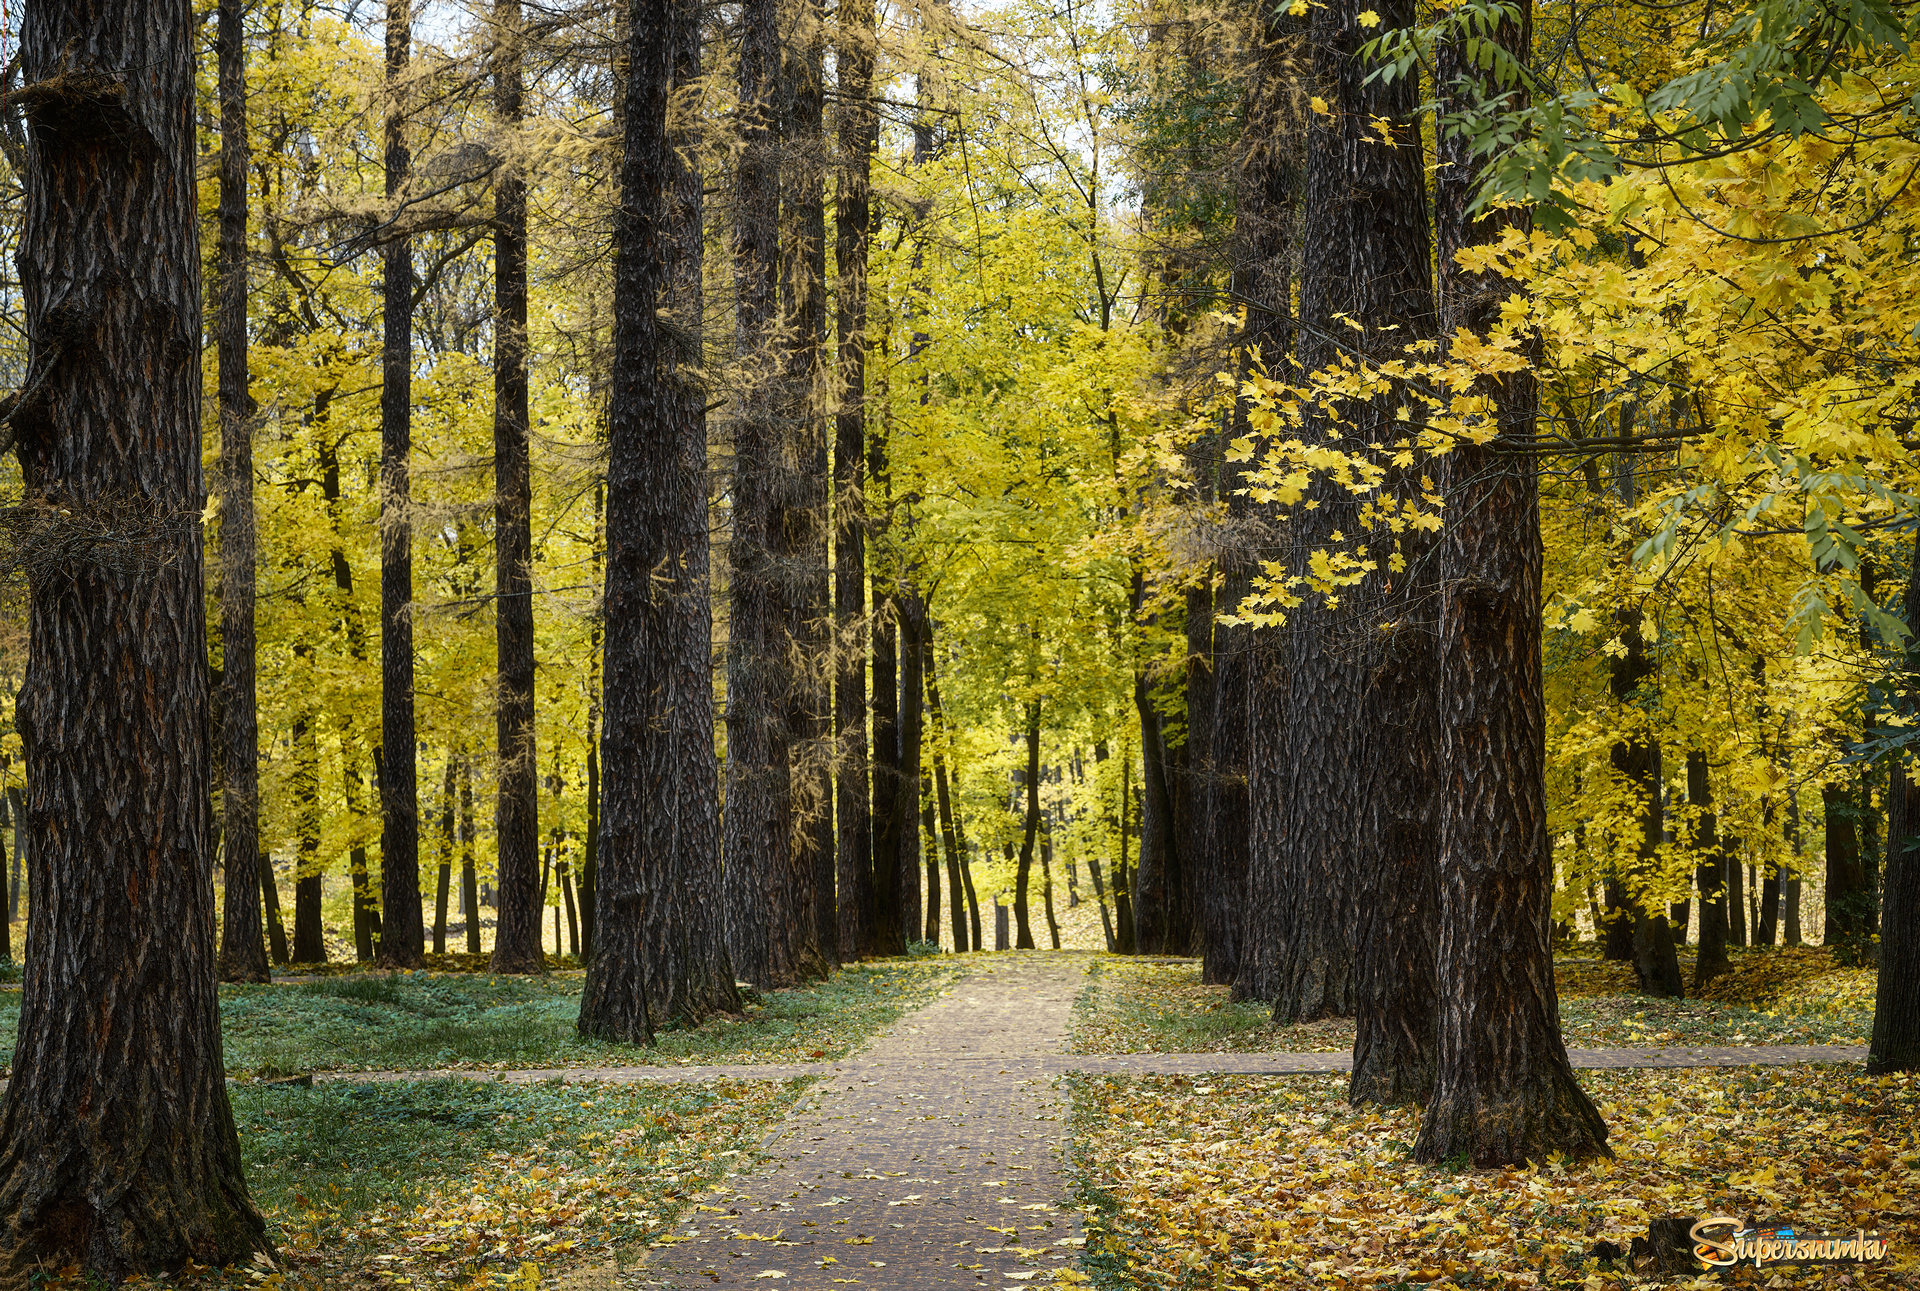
[(1216, 1182), (516, 1216), (1794, 995)]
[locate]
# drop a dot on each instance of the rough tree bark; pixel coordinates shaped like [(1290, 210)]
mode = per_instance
[(1364, 216), (402, 939), (1849, 896), (759, 793), (243, 953), (853, 221), (1895, 1045), (1395, 994), (660, 950), (117, 1143), (516, 934), (1503, 1090), (309, 935), (806, 928), (886, 743)]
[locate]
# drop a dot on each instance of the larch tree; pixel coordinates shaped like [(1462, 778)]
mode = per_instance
[(243, 952), (117, 1144), (1503, 1092), (660, 938), (402, 937), (853, 233), (516, 944)]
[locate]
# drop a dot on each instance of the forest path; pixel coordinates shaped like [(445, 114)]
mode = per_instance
[(932, 1161)]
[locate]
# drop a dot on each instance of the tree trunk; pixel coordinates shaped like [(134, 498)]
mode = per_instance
[(401, 940), (117, 1144), (1100, 895), (1636, 759), (309, 937), (516, 934), (276, 926), (759, 796), (469, 875), (949, 827), (906, 867), (1769, 921), (1364, 215), (243, 955), (1046, 886), (1124, 928), (1503, 1090), (1736, 898), (853, 221), (660, 932), (1849, 915), (810, 928), (1192, 764), (1710, 959), (1895, 1045), (449, 832), (1023, 939), (1264, 656), (886, 757)]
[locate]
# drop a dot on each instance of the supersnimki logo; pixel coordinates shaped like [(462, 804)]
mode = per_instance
[(1722, 1241)]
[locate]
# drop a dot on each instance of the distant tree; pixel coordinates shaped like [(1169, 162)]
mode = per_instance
[(117, 1144)]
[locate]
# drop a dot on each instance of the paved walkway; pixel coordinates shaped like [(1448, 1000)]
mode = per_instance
[(934, 1161)]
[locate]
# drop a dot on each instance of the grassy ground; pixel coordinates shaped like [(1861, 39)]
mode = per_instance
[(1786, 996), (1266, 1182), (462, 1183), (418, 1021)]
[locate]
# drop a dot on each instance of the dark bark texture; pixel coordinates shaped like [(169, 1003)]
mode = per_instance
[(1655, 960), (759, 826), (243, 953), (1030, 781), (906, 861), (1849, 896), (853, 219), (516, 935), (1895, 1045), (402, 939), (117, 1143), (1503, 1090), (659, 935)]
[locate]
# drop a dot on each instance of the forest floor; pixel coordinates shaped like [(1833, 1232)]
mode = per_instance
[(966, 1146)]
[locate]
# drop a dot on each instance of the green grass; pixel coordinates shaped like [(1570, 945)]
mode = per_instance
[(450, 1176), (420, 1021)]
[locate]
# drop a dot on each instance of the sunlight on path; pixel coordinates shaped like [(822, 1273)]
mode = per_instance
[(931, 1162)]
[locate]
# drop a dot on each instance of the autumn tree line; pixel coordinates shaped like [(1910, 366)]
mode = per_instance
[(1140, 438)]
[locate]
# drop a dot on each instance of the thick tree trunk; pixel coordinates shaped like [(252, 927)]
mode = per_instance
[(853, 220), (1364, 215), (759, 826), (117, 1145), (516, 934), (276, 926), (1895, 1045), (1503, 1090), (1192, 764), (906, 864), (1023, 939), (660, 949), (401, 940), (807, 935), (1395, 995), (243, 955), (1711, 953)]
